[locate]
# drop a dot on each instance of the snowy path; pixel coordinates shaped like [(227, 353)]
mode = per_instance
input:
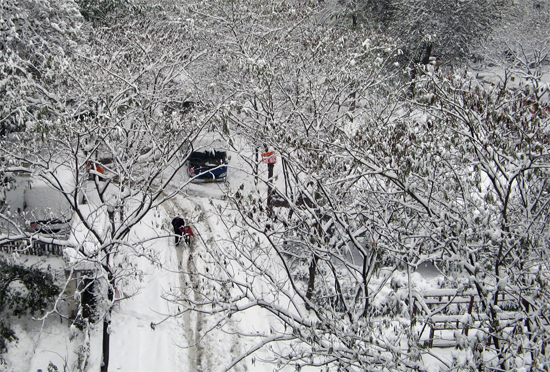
[(135, 344), (191, 322), (215, 349)]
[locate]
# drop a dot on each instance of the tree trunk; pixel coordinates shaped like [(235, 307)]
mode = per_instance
[(106, 340), (311, 283), (365, 286), (256, 167), (107, 322)]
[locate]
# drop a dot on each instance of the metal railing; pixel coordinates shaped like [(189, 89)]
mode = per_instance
[(33, 248)]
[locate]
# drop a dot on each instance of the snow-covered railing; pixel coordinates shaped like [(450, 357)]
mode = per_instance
[(431, 306), (36, 248)]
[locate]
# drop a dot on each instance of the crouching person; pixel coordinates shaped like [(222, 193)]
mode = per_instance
[(187, 233), (178, 223)]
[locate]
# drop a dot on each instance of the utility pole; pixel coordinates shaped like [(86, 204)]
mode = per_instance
[(270, 159), (270, 167)]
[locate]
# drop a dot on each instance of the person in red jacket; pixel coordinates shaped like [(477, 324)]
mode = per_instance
[(182, 231), (187, 233)]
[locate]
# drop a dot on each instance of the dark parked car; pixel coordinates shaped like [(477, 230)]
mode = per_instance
[(208, 166), (52, 226)]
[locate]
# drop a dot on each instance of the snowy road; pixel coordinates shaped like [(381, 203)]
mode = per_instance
[(190, 341), (135, 345), (186, 269), (212, 350)]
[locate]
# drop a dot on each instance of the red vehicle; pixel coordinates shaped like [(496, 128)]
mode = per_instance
[(52, 226)]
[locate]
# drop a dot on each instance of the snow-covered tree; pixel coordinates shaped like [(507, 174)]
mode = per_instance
[(115, 132), (108, 12), (23, 290), (302, 88), (478, 169), (371, 188), (520, 47), (448, 29), (371, 185), (36, 38)]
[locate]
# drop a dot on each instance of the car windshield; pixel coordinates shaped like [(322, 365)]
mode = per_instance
[(200, 159)]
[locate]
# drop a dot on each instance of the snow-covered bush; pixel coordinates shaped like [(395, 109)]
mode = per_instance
[(23, 291)]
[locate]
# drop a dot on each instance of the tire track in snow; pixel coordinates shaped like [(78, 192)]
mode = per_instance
[(201, 347), (233, 345), (189, 275)]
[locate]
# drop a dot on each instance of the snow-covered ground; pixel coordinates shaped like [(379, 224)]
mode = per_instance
[(136, 344), (145, 334)]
